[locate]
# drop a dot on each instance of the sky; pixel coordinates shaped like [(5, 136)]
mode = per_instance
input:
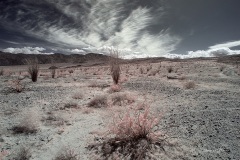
[(137, 28)]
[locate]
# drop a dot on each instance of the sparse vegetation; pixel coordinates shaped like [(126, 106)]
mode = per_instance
[(29, 123), (22, 154), (190, 85), (122, 99), (53, 73), (115, 65), (134, 137), (33, 69), (67, 155), (98, 102), (77, 96), (70, 105), (1, 72), (17, 86), (169, 69)]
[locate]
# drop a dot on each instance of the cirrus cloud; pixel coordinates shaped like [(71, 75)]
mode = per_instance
[(26, 50)]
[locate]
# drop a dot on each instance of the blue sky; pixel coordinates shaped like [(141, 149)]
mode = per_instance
[(138, 28)]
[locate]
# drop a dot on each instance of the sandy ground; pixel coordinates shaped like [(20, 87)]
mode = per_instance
[(203, 120)]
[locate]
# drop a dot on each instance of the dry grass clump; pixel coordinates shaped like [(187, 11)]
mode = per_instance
[(29, 122), (70, 105), (222, 67), (98, 102), (132, 137), (33, 69), (67, 155), (115, 88), (16, 86), (170, 69), (115, 65), (121, 99), (53, 73), (1, 72), (190, 85), (53, 119), (22, 154), (77, 96), (141, 70), (153, 72)]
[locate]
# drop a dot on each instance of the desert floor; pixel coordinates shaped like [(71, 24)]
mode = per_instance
[(198, 104)]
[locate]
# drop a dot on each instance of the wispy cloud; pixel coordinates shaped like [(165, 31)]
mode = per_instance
[(26, 50), (226, 45), (216, 52), (86, 24)]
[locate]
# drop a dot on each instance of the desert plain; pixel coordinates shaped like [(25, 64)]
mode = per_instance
[(197, 103)]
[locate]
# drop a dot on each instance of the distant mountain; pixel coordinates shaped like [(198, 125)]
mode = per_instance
[(8, 59)]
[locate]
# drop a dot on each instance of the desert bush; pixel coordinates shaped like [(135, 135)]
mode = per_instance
[(70, 105), (98, 102), (122, 99), (115, 65), (169, 69), (131, 136), (190, 85), (22, 154), (149, 68), (17, 86), (115, 88), (70, 71), (67, 154), (33, 69), (141, 70), (53, 73), (222, 67), (29, 122), (3, 153), (153, 72), (77, 96), (1, 72)]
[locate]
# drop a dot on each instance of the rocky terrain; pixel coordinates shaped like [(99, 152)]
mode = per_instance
[(198, 101)]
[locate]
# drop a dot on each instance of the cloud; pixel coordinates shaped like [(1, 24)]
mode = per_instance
[(216, 52), (226, 45), (91, 24), (77, 51), (26, 50)]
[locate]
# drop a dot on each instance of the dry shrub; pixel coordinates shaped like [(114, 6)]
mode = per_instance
[(3, 153), (1, 72), (87, 111), (22, 154), (121, 99), (53, 73), (115, 88), (53, 119), (182, 78), (115, 65), (141, 70), (169, 69), (132, 136), (29, 122), (33, 69), (149, 68), (70, 105), (77, 96), (17, 86), (70, 71), (153, 72), (98, 102), (67, 154), (190, 85)]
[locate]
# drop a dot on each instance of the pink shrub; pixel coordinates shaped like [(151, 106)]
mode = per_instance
[(136, 126)]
